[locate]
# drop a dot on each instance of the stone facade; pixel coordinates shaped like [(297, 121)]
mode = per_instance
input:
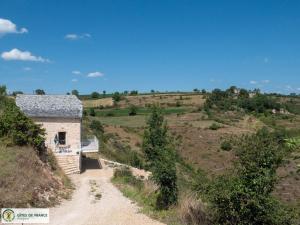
[(72, 127)]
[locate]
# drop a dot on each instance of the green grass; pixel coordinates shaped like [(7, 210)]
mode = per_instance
[(134, 188), (140, 111), (125, 121)]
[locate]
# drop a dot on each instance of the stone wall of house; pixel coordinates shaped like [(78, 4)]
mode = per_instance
[(72, 127)]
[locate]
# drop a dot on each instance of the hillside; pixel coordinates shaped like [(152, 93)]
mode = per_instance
[(29, 176), (201, 134)]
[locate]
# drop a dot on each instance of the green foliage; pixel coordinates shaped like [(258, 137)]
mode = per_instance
[(244, 196), (39, 92), (21, 130), (214, 126), (134, 92), (97, 127), (226, 145), (75, 92), (293, 143), (128, 178), (116, 97), (232, 99), (92, 112), (2, 90), (161, 158), (15, 93), (95, 95), (132, 110)]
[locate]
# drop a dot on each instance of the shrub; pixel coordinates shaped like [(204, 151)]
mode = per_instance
[(132, 110), (245, 195), (97, 126), (136, 161), (126, 175), (92, 112), (226, 145), (95, 95), (214, 126), (116, 97), (19, 128)]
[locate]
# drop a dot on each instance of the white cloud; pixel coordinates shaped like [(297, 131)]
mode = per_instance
[(253, 82), (95, 74), (77, 36), (74, 80), (16, 54), (27, 68), (6, 27), (77, 72)]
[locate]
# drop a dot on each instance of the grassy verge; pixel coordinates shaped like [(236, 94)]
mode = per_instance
[(144, 193)]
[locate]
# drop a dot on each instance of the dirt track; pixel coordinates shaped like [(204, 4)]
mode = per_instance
[(87, 207)]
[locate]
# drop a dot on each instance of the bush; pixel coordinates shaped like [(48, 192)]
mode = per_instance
[(116, 97), (226, 146), (97, 126), (214, 126), (95, 95), (132, 110), (92, 112), (244, 196), (136, 161), (126, 175), (19, 128)]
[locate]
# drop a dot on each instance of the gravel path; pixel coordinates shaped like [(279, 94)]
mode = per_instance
[(97, 201)]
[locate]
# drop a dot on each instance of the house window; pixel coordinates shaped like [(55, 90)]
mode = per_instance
[(62, 138)]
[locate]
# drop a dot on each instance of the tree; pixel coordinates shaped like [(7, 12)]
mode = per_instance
[(97, 127), (243, 93), (152, 91), (196, 90), (2, 90), (39, 92), (75, 92), (104, 93), (132, 110), (203, 91), (15, 93), (134, 92), (244, 196), (116, 96), (160, 158), (95, 95)]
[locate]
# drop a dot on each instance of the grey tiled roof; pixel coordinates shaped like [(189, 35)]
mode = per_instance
[(62, 106)]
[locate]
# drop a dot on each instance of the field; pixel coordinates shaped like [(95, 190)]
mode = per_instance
[(145, 100), (198, 144)]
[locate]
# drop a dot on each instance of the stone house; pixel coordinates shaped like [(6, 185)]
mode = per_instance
[(61, 117)]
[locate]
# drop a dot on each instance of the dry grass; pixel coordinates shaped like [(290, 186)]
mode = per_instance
[(105, 102), (163, 100), (192, 211), (25, 181)]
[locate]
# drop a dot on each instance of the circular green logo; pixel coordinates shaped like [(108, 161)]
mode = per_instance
[(8, 215)]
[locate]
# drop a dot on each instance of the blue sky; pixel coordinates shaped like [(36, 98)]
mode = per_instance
[(118, 45)]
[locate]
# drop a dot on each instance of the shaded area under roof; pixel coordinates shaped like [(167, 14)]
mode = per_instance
[(55, 106)]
